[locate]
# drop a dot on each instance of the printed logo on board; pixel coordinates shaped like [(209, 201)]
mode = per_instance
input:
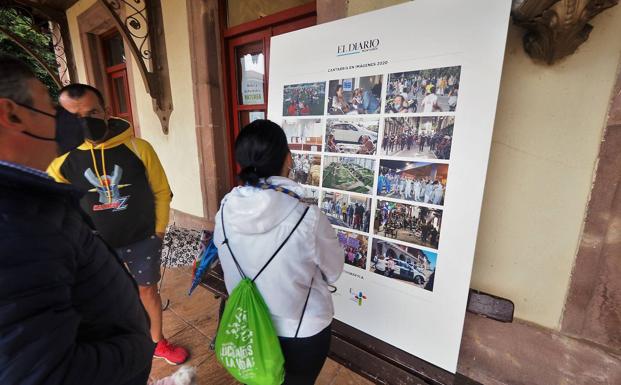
[(357, 296), (357, 47)]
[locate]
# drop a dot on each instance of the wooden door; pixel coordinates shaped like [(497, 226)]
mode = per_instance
[(246, 64)]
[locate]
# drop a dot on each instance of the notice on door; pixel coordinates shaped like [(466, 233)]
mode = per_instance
[(389, 117), (252, 78)]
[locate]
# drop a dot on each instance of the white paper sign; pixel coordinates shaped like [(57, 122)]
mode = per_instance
[(252, 78), (347, 85), (256, 115), (389, 116)]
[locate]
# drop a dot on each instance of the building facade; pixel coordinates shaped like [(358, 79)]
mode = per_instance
[(549, 237)]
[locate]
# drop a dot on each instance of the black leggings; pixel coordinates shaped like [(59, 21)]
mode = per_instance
[(304, 357)]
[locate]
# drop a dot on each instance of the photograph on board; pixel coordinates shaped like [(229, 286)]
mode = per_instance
[(355, 247), (303, 134), (413, 181), (347, 210), (304, 99), (306, 169), (348, 174), (352, 136), (353, 96), (310, 196), (429, 90), (408, 223), (427, 137), (408, 264)]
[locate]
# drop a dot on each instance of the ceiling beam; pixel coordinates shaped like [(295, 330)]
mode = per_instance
[(51, 13)]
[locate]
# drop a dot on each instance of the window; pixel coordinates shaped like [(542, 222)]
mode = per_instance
[(116, 75)]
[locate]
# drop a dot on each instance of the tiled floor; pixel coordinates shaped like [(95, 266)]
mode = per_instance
[(192, 321)]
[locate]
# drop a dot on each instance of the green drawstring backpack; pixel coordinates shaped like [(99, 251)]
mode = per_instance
[(246, 343)]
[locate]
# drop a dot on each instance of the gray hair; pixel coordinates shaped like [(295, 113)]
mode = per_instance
[(14, 76)]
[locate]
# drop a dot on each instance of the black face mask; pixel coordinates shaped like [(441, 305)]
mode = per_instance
[(69, 131), (94, 129)]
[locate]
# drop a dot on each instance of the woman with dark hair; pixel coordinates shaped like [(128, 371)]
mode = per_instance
[(331, 144), (339, 104), (259, 216)]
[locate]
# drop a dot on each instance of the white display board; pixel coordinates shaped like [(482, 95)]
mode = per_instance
[(389, 116)]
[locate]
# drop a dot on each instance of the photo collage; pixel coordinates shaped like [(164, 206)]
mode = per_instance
[(373, 152)]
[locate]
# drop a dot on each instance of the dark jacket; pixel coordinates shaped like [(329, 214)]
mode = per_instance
[(69, 311)]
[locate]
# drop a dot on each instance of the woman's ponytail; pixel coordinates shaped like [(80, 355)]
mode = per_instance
[(249, 175)]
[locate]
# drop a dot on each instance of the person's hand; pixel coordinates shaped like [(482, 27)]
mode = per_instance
[(160, 235)]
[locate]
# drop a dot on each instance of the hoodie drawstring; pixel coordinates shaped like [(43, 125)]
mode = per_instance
[(102, 182)]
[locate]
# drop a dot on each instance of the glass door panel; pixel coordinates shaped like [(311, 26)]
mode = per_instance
[(248, 61), (119, 94), (251, 73)]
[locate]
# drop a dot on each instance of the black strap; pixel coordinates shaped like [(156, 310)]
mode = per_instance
[(281, 245), (226, 241), (304, 309)]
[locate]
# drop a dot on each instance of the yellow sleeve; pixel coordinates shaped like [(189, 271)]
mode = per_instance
[(157, 181), (53, 169)]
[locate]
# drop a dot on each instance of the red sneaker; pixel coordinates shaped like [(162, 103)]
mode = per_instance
[(174, 355)]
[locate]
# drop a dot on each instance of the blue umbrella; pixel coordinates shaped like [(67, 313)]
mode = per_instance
[(207, 256)]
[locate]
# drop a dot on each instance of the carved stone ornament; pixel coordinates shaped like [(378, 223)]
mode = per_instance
[(556, 28), (141, 25)]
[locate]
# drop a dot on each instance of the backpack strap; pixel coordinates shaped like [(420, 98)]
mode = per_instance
[(281, 245), (304, 309), (239, 268), (226, 242)]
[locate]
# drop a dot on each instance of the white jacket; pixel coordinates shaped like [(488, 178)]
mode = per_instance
[(257, 221)]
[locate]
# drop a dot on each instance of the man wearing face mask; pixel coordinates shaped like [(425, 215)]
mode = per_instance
[(127, 197), (69, 310)]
